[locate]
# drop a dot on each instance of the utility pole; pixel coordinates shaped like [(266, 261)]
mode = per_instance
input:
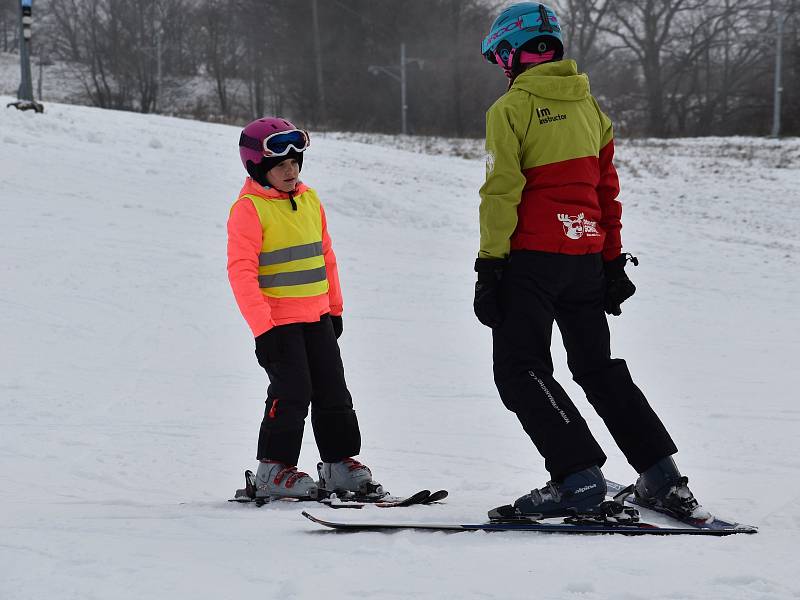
[(157, 102), (25, 93), (323, 114), (403, 101), (399, 74), (776, 109)]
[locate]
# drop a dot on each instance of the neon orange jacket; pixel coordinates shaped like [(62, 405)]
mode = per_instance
[(245, 243)]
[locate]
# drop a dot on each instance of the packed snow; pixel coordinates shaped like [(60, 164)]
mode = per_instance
[(130, 398)]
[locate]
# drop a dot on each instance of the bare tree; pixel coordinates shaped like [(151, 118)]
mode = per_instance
[(221, 46), (8, 26), (581, 22), (791, 120), (661, 67), (66, 43), (647, 28), (725, 48)]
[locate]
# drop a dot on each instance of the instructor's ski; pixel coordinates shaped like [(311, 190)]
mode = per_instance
[(624, 493), (521, 525)]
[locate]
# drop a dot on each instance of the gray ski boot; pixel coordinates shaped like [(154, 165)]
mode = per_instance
[(348, 475), (580, 493), (277, 480), (663, 487)]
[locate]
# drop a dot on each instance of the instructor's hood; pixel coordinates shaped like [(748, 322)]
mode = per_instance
[(554, 80)]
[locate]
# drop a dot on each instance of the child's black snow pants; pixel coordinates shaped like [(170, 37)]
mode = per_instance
[(305, 368), (538, 288)]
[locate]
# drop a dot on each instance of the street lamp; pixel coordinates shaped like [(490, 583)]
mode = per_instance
[(25, 93), (399, 74)]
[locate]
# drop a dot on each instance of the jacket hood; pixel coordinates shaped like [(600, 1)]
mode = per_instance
[(558, 80)]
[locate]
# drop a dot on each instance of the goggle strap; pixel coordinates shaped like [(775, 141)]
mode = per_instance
[(507, 65), (245, 141)]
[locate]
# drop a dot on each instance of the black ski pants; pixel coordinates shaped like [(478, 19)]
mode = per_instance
[(304, 366), (537, 289)]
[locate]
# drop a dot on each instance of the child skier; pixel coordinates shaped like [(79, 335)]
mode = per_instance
[(283, 273), (550, 250)]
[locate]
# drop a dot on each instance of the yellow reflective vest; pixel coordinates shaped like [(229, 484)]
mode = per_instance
[(291, 263), (281, 264)]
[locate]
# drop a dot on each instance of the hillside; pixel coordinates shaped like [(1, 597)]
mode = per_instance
[(130, 398)]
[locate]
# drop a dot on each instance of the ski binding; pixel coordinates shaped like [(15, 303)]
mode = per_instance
[(625, 494)]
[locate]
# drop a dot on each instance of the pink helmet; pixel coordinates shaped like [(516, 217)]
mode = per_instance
[(259, 155)]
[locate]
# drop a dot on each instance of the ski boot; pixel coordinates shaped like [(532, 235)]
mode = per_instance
[(663, 487), (348, 478), (278, 480), (580, 493)]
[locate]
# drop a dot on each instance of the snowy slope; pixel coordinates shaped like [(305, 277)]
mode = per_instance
[(130, 398)]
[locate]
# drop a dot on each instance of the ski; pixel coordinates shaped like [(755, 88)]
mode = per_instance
[(247, 495), (524, 525), (387, 501), (436, 496), (625, 493), (420, 497)]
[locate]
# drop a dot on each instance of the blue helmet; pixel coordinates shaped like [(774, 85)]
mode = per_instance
[(518, 25)]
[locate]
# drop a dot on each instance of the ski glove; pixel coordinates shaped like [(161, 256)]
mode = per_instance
[(338, 326), (487, 291), (618, 287)]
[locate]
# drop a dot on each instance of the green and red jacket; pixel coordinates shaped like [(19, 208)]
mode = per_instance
[(550, 178)]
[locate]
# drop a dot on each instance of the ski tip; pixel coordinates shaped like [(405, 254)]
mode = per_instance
[(316, 520), (420, 497), (436, 496), (310, 517)]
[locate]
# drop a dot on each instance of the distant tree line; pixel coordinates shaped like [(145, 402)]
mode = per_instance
[(660, 67)]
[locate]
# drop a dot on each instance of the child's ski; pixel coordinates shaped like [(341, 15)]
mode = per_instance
[(625, 493), (421, 497), (436, 496), (530, 526), (247, 495)]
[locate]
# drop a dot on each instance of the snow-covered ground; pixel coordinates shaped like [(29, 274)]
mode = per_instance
[(130, 398)]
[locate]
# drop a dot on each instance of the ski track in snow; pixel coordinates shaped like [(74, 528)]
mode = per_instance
[(131, 398)]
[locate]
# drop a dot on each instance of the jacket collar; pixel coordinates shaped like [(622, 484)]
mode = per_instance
[(558, 80), (255, 189)]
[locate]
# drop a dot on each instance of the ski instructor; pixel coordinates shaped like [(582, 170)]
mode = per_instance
[(550, 250)]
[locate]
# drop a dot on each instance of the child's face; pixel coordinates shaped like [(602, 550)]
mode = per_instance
[(283, 176)]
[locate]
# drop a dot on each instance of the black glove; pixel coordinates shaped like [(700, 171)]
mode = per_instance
[(487, 291), (618, 287), (268, 347), (337, 325)]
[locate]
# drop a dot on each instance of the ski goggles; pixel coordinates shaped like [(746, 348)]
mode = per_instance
[(278, 144)]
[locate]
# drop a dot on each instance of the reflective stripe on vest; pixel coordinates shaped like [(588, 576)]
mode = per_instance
[(288, 254), (291, 262), (293, 278)]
